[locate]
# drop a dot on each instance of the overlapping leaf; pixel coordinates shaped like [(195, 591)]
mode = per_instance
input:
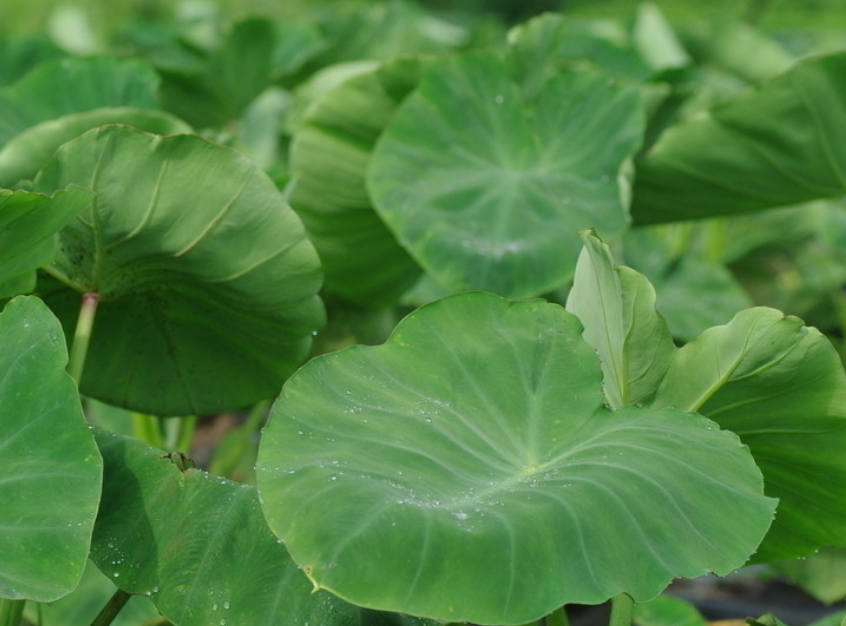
[(84, 85), (780, 386), (487, 190), (207, 281), (28, 225), (32, 149), (331, 150), (779, 144), (468, 470), (52, 473), (198, 546)]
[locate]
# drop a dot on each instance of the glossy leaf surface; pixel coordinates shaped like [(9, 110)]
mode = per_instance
[(487, 190), (28, 225), (206, 279), (780, 386), (616, 305), (84, 84), (329, 156), (32, 149), (197, 546), (779, 144), (468, 470), (52, 473)]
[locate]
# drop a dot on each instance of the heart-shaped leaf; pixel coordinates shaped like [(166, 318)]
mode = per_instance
[(487, 190), (52, 473), (198, 546), (28, 224), (329, 157), (207, 291), (780, 386), (781, 143), (617, 308), (85, 84), (468, 470), (32, 149)]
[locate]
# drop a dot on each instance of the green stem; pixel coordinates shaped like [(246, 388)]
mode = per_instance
[(187, 426), (82, 335), (112, 608), (11, 612), (557, 618), (621, 610)]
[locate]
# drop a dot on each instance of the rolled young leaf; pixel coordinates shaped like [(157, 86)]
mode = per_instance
[(782, 143), (28, 225), (616, 305), (487, 188), (52, 472), (468, 470), (207, 282), (781, 387), (197, 546)]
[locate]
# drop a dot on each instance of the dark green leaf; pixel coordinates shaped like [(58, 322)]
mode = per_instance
[(206, 279), (198, 546)]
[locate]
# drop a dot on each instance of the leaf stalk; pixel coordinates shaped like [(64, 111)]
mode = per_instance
[(82, 335)]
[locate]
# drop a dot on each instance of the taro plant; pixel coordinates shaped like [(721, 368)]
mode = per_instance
[(535, 435)]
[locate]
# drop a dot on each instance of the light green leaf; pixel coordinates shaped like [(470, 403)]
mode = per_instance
[(616, 305), (780, 386), (207, 281), (198, 546), (329, 157), (28, 225), (667, 611), (52, 473), (84, 84), (29, 151), (655, 40), (822, 575), (488, 191), (779, 144), (468, 470)]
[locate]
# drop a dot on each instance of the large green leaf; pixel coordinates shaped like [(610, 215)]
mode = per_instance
[(52, 473), (468, 470), (198, 546), (207, 282), (779, 144), (329, 157), (28, 224), (617, 308), (32, 149), (780, 386), (84, 84), (487, 190)]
